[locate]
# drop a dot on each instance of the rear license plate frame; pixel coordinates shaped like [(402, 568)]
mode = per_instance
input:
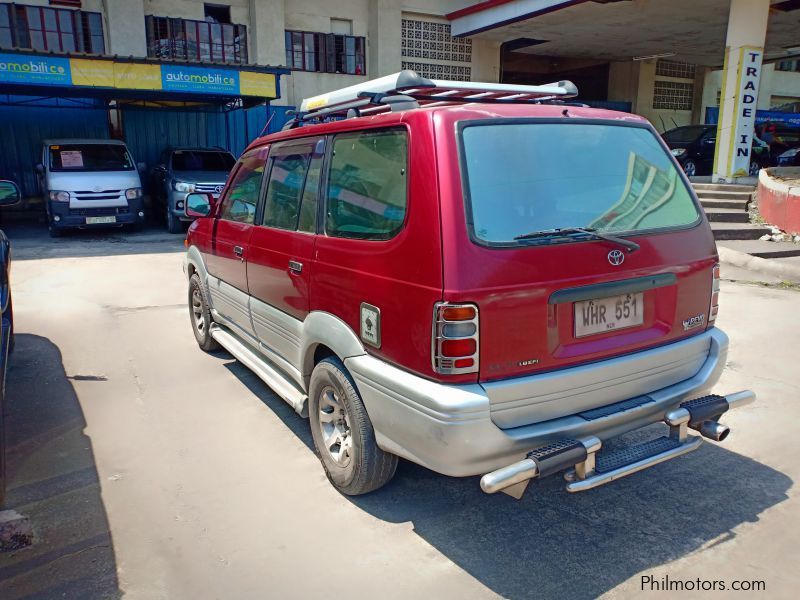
[(635, 318)]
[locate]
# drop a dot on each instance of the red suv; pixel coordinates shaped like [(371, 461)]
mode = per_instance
[(479, 278)]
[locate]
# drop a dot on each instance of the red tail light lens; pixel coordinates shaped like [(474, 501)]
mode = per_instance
[(454, 347), (714, 307)]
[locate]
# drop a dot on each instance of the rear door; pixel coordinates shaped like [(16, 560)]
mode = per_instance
[(227, 261), (281, 246), (550, 299)]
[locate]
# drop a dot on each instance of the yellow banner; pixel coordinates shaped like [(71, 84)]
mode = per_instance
[(261, 85), (134, 76), (92, 73)]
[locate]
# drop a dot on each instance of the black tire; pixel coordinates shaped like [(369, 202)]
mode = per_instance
[(199, 312), (53, 231), (361, 466), (174, 224)]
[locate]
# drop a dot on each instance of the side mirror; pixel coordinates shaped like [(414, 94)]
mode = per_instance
[(40, 169), (199, 205), (9, 193)]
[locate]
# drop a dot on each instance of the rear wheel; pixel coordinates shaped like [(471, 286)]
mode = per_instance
[(200, 315), (343, 434)]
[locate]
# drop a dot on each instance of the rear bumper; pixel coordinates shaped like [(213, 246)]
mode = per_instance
[(449, 429), (70, 218)]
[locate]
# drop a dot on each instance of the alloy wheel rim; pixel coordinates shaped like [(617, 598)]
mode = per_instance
[(197, 311), (691, 170), (334, 425)]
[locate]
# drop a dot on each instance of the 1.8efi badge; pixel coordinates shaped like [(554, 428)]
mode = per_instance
[(371, 324)]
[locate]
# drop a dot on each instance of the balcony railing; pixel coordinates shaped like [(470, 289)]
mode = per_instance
[(50, 29), (195, 41)]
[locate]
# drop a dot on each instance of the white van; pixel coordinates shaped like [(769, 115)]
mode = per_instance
[(89, 183)]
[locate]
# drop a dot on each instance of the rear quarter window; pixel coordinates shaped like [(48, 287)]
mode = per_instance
[(367, 185)]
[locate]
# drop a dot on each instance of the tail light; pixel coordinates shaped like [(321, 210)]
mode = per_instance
[(714, 308), (455, 338)]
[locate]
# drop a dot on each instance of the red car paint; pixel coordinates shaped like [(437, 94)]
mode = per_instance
[(432, 259)]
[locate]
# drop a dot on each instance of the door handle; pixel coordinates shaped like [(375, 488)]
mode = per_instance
[(295, 266), (239, 251)]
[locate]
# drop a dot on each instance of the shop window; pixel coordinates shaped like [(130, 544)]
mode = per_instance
[(788, 65), (50, 29), (196, 41), (326, 52), (673, 95)]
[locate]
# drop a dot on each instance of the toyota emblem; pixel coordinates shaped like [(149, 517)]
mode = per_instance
[(218, 189), (616, 257)]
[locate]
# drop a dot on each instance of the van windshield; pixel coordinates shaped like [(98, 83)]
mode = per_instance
[(90, 157), (523, 178)]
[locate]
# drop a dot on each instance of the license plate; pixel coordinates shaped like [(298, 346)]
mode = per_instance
[(100, 220), (608, 314)]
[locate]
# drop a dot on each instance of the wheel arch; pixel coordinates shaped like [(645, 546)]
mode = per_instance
[(326, 335)]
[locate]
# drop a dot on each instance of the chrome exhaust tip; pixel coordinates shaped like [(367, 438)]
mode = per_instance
[(714, 430)]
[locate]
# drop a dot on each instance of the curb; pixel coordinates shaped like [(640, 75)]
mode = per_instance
[(759, 265)]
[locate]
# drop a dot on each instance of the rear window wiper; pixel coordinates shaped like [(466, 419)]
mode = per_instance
[(627, 244)]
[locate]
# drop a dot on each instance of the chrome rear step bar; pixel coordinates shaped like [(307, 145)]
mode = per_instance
[(589, 468)]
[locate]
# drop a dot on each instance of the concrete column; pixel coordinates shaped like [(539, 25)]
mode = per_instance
[(125, 28), (747, 30), (383, 38), (266, 32)]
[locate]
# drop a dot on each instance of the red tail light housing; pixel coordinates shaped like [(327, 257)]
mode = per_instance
[(455, 343), (714, 308)]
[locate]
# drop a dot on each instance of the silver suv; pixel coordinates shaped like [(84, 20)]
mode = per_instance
[(181, 171)]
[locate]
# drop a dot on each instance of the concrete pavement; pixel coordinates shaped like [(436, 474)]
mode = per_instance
[(152, 469)]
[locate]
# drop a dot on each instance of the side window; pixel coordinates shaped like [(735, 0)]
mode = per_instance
[(286, 179), (308, 204), (367, 185), (242, 196)]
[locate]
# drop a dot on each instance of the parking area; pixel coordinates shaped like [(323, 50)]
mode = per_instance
[(154, 470)]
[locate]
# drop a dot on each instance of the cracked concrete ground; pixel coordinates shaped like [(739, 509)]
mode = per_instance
[(154, 470)]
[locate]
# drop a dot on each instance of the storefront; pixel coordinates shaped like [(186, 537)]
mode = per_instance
[(148, 104)]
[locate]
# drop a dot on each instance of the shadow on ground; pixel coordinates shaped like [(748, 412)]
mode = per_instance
[(553, 544), (52, 478), (30, 240)]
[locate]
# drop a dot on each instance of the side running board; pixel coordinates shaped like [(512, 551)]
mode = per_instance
[(259, 365)]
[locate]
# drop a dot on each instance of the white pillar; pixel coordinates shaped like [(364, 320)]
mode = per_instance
[(747, 30), (125, 26), (266, 31)]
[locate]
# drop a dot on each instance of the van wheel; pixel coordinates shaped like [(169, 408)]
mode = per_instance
[(174, 224), (343, 434), (200, 315)]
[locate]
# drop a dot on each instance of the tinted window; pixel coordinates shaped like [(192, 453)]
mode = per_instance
[(242, 196), (308, 205), (193, 160), (367, 185), (684, 135), (90, 157), (527, 177), (286, 179)]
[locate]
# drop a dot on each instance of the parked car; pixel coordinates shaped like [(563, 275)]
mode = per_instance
[(184, 170), (482, 288), (89, 183), (693, 146), (9, 194), (790, 158)]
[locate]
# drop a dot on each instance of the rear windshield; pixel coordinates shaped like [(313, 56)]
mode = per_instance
[(90, 157), (683, 135), (531, 177), (193, 160)]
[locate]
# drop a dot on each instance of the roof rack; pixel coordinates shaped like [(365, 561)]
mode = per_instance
[(407, 90)]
